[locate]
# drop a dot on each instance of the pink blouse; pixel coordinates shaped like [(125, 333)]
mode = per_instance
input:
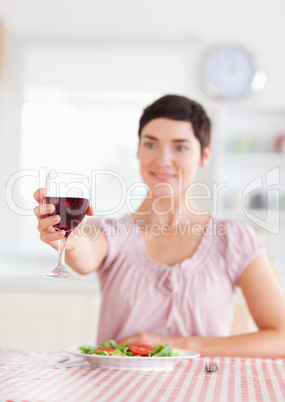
[(194, 297)]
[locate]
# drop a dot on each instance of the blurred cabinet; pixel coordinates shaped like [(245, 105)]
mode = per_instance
[(47, 320), (2, 47), (250, 162)]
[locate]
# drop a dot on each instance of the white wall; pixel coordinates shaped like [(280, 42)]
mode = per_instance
[(148, 47)]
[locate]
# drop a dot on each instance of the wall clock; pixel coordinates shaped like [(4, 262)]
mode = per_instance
[(231, 72)]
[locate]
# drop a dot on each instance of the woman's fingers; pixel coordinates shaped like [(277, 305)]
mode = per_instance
[(52, 238), (40, 194), (48, 233), (41, 209), (49, 237), (90, 210), (45, 223), (44, 209)]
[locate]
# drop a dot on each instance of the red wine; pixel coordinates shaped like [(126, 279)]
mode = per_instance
[(71, 210)]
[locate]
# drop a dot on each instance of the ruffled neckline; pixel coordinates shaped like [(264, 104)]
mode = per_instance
[(195, 261)]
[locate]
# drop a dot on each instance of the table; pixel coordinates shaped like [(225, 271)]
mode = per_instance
[(29, 376)]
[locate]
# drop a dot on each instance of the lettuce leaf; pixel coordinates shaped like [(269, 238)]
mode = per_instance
[(123, 350), (122, 347), (107, 344), (118, 353), (86, 349), (177, 352), (101, 352), (167, 351)]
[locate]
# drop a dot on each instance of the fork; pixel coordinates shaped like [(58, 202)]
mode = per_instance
[(55, 363), (211, 367)]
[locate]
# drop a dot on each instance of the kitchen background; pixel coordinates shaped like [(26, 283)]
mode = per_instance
[(75, 76)]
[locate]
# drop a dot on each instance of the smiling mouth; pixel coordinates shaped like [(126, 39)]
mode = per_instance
[(163, 176)]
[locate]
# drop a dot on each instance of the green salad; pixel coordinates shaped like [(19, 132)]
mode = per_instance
[(111, 348)]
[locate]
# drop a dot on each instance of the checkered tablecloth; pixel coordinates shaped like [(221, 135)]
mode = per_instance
[(29, 376)]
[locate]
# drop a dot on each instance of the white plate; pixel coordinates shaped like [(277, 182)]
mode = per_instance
[(133, 362)]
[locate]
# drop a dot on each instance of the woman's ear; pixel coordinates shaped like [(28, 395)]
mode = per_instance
[(206, 156)]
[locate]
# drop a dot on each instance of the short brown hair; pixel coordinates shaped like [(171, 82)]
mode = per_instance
[(179, 108)]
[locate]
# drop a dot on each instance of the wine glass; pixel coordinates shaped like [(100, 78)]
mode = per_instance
[(69, 193)]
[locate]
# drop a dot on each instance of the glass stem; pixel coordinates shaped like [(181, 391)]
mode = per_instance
[(61, 252)]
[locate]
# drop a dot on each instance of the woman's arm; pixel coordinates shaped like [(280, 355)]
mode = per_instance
[(266, 304), (89, 252)]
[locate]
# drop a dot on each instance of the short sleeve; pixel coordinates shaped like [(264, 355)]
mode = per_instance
[(108, 227), (242, 246)]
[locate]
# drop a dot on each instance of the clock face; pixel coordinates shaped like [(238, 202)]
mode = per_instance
[(229, 72)]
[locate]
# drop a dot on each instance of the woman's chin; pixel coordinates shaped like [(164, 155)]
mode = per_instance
[(165, 193), (164, 200)]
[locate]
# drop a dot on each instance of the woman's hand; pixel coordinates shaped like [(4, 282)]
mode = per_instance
[(153, 339), (48, 234)]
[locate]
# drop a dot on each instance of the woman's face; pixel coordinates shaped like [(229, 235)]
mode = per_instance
[(169, 155)]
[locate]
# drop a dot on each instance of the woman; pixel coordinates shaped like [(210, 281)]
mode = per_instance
[(172, 278)]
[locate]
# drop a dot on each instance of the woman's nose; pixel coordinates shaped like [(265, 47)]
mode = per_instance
[(164, 158)]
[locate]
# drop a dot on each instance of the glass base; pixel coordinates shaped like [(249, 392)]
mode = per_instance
[(60, 272)]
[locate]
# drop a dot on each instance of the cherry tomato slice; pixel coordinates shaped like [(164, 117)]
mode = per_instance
[(109, 350), (140, 349)]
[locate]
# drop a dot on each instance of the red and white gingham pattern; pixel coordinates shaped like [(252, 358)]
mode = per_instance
[(28, 376)]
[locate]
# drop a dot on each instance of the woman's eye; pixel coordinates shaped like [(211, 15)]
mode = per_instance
[(181, 148), (150, 145)]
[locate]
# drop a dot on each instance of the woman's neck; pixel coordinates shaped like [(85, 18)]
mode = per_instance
[(164, 211)]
